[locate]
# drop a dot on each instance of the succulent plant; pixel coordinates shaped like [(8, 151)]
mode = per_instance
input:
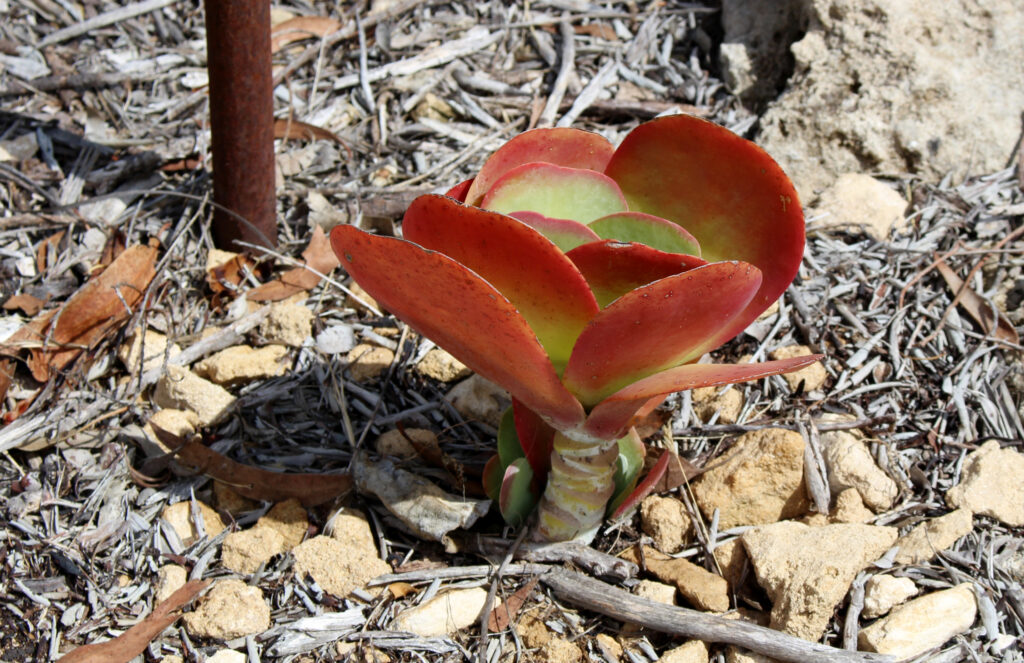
[(587, 280)]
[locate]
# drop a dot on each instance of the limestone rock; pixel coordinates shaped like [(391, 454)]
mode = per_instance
[(860, 202), (812, 377), (440, 365), (693, 651), (179, 515), (242, 363), (244, 551), (444, 614), (656, 591), (666, 521), (703, 589), (344, 561), (735, 654), (396, 443), (227, 656), (367, 362), (992, 484), (609, 647), (217, 257), (359, 298), (731, 557), (179, 388), (873, 90), (477, 398), (922, 624), (883, 592), (288, 324), (336, 339), (807, 571), (230, 501), (922, 543), (151, 347), (707, 401), (231, 609), (850, 465), (169, 579), (849, 508), (182, 423), (351, 528), (288, 519), (759, 480), (755, 57)]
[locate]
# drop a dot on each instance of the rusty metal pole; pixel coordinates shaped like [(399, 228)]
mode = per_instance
[(241, 121)]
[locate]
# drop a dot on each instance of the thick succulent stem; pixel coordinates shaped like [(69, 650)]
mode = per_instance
[(580, 483)]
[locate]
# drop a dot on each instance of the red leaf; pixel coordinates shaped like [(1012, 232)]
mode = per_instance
[(613, 268), (462, 313), (536, 439), (658, 326), (610, 417), (645, 487)]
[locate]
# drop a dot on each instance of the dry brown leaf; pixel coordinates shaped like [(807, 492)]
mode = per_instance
[(134, 641), (401, 589), (298, 130), (505, 614), (318, 255), (230, 273), (25, 303), (93, 312), (257, 484), (43, 250), (679, 472), (599, 30), (991, 320), (299, 28)]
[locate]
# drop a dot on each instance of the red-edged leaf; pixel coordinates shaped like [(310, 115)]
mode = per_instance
[(516, 499), (725, 190), (556, 192), (566, 234), (645, 487), (459, 191), (461, 312), (523, 265), (613, 268), (572, 148), (610, 417), (492, 476), (536, 439), (653, 231), (658, 326)]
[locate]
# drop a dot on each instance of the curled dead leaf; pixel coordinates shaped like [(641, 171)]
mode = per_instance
[(299, 28), (319, 256), (989, 318)]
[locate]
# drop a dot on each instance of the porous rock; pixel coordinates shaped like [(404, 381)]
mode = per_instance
[(931, 537), (754, 55), (922, 624), (731, 558), (478, 399), (446, 613), (703, 589), (883, 592), (812, 377), (149, 346), (288, 519), (400, 443), (367, 362), (665, 520), (227, 656), (179, 515), (242, 363), (759, 480), (244, 551), (288, 323), (344, 561), (181, 423), (992, 484), (656, 591), (169, 579), (442, 366), (693, 651), (231, 609), (181, 389), (850, 465), (807, 571), (860, 202), (708, 400), (849, 508)]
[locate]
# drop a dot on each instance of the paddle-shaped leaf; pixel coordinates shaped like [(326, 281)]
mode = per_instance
[(556, 192), (571, 148), (566, 234), (526, 267), (610, 417), (627, 467), (613, 268), (516, 500), (653, 231), (462, 313), (725, 190), (658, 326)]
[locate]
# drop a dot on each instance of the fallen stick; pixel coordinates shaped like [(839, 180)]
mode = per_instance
[(617, 603)]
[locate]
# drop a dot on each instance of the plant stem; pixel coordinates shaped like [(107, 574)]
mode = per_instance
[(579, 486)]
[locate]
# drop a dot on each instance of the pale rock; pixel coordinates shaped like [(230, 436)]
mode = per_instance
[(992, 484), (734, 654), (609, 647), (338, 568), (442, 366), (227, 656), (323, 213), (807, 571), (850, 508), (731, 558), (231, 609), (169, 579), (701, 588), (151, 347), (444, 614), (1013, 564), (922, 624), (754, 57), (336, 339), (478, 399), (171, 658), (179, 516), (181, 389), (21, 148), (693, 651), (434, 108), (230, 501), (396, 443), (759, 480), (359, 298), (242, 363), (351, 527), (356, 652), (931, 537), (182, 423), (884, 592), (656, 591), (860, 202), (813, 377), (873, 89), (550, 648), (367, 362), (666, 521), (288, 324), (217, 257), (850, 465), (707, 401), (244, 551)]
